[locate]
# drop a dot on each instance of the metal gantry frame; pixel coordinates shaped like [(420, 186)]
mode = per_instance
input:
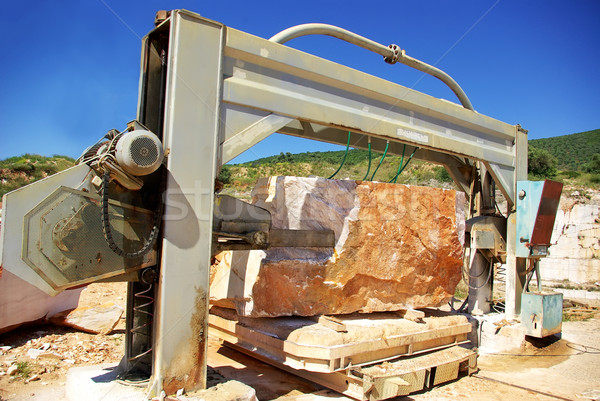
[(211, 92)]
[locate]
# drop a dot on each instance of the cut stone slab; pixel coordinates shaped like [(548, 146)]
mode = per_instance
[(100, 319), (397, 247)]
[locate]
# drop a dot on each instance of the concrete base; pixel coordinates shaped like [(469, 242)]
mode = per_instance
[(497, 334), (98, 382)]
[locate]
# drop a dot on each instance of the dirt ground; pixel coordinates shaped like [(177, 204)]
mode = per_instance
[(64, 348), (565, 369)]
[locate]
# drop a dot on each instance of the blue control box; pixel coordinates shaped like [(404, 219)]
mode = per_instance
[(541, 313)]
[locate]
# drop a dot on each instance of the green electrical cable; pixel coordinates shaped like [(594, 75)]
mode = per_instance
[(344, 159), (400, 166), (368, 168), (404, 167), (387, 145)]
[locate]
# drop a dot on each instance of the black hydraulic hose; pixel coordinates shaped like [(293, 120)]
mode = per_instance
[(491, 269), (400, 166), (108, 231)]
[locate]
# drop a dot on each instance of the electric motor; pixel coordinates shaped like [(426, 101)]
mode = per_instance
[(139, 152)]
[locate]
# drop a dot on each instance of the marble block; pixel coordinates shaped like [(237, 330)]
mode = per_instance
[(397, 247)]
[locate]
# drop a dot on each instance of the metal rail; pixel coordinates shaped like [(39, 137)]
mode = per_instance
[(391, 53)]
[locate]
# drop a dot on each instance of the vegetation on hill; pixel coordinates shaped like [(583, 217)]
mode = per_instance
[(573, 159), (242, 177), (572, 152), (18, 171), (355, 156)]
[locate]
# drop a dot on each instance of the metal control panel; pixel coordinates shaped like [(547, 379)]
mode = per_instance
[(537, 203)]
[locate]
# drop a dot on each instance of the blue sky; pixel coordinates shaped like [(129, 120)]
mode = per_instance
[(70, 68)]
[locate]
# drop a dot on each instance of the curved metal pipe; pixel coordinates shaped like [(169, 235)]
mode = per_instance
[(331, 30), (391, 53), (439, 74)]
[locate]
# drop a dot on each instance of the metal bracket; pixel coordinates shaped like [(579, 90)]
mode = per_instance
[(238, 225), (488, 234), (393, 59)]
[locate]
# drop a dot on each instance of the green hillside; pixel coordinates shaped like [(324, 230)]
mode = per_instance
[(18, 171), (572, 152), (241, 177), (574, 156), (571, 156)]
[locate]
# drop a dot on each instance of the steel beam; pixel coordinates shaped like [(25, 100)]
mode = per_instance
[(515, 267), (266, 76), (252, 135), (191, 134)]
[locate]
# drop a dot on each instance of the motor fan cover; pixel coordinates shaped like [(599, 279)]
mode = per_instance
[(139, 152)]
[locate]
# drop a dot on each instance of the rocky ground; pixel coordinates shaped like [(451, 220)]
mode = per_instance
[(34, 361), (36, 357)]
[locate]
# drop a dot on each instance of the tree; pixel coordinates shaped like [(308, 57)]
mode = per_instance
[(225, 175), (541, 162)]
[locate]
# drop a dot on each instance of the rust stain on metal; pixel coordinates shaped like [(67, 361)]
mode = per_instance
[(544, 222), (188, 370)]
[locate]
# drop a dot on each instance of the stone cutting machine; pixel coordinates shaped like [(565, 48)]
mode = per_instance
[(140, 206)]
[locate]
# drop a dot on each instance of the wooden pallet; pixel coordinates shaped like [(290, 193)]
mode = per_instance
[(389, 379), (266, 340), (419, 356)]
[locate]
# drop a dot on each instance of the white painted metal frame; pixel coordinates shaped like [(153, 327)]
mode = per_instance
[(262, 76), (191, 127), (16, 205), (226, 91)]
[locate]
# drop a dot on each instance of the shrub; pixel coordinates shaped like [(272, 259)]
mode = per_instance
[(225, 175), (595, 178), (23, 369), (594, 165), (541, 163)]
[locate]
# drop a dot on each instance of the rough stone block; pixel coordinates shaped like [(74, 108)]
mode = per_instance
[(397, 247), (100, 319)]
